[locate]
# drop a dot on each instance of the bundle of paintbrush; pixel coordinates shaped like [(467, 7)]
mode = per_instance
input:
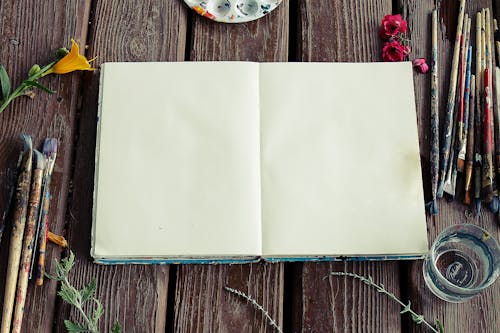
[(469, 151), (31, 204)]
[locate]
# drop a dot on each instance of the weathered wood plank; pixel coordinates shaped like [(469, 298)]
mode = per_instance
[(344, 31), (480, 314), (154, 30), (201, 303), (30, 34)]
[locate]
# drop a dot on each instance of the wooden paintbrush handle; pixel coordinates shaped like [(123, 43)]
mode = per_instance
[(434, 154), (487, 183), (450, 105), (22, 283), (19, 220), (470, 142), (42, 241)]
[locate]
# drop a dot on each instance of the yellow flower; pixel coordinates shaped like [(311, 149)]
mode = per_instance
[(73, 61)]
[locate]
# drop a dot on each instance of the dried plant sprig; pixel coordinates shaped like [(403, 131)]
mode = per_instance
[(259, 307), (78, 298), (419, 319)]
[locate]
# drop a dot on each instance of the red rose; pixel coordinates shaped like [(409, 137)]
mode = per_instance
[(421, 65), (391, 26), (394, 51)]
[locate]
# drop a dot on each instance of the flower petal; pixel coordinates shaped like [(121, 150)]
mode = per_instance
[(72, 61)]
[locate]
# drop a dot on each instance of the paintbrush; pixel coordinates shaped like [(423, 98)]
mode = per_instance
[(495, 38), (463, 143), (470, 142), (487, 176), (457, 130), (494, 204), (492, 197), (448, 125), (487, 164), (50, 153), (29, 237), (451, 173), (464, 50), (19, 220), (478, 115), (432, 206), (498, 52)]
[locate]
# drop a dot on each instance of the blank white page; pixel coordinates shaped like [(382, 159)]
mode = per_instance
[(177, 170), (340, 160)]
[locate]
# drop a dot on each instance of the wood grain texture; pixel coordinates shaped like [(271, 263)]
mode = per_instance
[(201, 303), (263, 40), (481, 313), (155, 30), (341, 31), (30, 34), (342, 304)]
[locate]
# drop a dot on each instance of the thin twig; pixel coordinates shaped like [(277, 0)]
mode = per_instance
[(419, 319), (259, 307)]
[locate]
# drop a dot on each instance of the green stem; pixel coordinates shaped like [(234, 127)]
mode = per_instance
[(11, 97), (23, 86), (78, 305)]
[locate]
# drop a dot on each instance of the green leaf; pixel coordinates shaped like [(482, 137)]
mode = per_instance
[(38, 85), (406, 308), (52, 277), (4, 82), (74, 327), (116, 328), (67, 263), (89, 291), (67, 294), (98, 311), (417, 318)]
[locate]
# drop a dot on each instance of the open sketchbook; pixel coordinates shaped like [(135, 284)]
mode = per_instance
[(239, 161)]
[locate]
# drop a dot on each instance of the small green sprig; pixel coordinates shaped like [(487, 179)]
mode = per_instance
[(78, 298), (419, 319)]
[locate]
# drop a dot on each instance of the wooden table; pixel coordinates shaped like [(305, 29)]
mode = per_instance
[(190, 298)]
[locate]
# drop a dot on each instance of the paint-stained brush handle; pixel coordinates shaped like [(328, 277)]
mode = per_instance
[(450, 105), (18, 226), (470, 143), (434, 154), (487, 172), (43, 240), (27, 252)]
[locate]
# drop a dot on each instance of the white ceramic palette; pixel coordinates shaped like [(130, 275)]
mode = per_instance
[(233, 11)]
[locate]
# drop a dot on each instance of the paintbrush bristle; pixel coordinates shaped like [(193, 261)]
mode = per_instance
[(432, 207), (460, 165), (27, 143), (494, 205), (39, 160), (478, 207), (50, 146), (50, 152), (448, 188)]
